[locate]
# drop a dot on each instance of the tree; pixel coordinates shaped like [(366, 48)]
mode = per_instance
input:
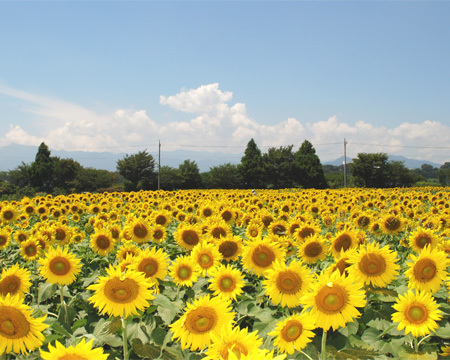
[(138, 171), (279, 167), (41, 170), (189, 175), (91, 180), (170, 178), (20, 176), (64, 173), (251, 167), (400, 175), (308, 169), (444, 174), (224, 176), (428, 171), (370, 170)]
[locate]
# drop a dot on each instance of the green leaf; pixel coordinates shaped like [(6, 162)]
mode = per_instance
[(77, 324), (443, 331), (158, 335), (353, 354), (349, 329), (66, 315), (46, 291), (58, 328), (409, 354), (166, 308), (149, 351)]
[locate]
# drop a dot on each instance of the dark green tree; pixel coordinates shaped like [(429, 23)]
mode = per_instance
[(400, 175), (428, 171), (41, 170), (370, 170), (170, 178), (20, 176), (308, 169), (279, 168), (64, 173), (138, 171), (444, 174), (251, 167), (92, 180), (224, 176), (190, 177)]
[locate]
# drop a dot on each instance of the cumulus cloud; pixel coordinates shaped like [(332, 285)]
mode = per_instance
[(216, 124)]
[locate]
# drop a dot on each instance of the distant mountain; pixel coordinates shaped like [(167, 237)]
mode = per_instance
[(409, 163), (13, 155)]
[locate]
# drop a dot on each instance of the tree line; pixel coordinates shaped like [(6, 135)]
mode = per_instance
[(278, 168)]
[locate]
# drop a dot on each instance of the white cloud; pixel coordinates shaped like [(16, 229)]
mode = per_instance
[(216, 122)]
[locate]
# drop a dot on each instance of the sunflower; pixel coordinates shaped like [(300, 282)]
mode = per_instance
[(228, 214), (232, 340), (428, 270), (153, 263), (8, 214), (188, 235), (230, 247), (15, 281), (20, 235), (184, 271), (333, 300), (373, 265), (445, 351), (58, 266), (127, 248), (444, 246), (226, 281), (313, 249), (259, 255), (363, 221), (420, 238), (138, 230), (417, 313), (121, 294), (19, 331), (343, 241), (30, 250), (205, 316), (207, 256), (305, 230), (62, 234), (286, 284), (392, 224), (81, 351), (158, 233), (5, 238), (293, 333), (278, 227), (254, 229), (102, 242), (217, 228), (162, 217)]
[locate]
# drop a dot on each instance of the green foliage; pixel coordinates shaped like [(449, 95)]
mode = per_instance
[(41, 170), (279, 167), (170, 178), (444, 174), (190, 177), (370, 170), (251, 167), (138, 170), (308, 169), (222, 177), (90, 180)]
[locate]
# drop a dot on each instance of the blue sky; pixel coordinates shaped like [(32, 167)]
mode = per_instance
[(121, 75)]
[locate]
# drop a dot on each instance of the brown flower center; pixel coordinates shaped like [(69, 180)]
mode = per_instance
[(13, 324), (291, 331), (121, 291), (331, 299), (201, 320), (228, 249), (148, 266), (227, 283), (263, 256), (59, 266), (190, 237), (416, 313), (313, 249), (372, 264), (425, 270), (288, 282)]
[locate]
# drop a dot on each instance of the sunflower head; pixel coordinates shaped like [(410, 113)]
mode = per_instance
[(58, 266)]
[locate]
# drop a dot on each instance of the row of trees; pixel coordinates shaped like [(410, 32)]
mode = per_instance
[(277, 168)]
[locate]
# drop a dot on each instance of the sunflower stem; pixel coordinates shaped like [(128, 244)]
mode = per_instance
[(61, 293), (125, 339), (323, 351), (425, 337), (306, 355), (416, 345)]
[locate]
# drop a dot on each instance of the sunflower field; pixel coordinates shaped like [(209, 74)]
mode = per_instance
[(226, 274)]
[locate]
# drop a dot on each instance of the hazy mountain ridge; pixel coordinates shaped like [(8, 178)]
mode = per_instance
[(13, 155)]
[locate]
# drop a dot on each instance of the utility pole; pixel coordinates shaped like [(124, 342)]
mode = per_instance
[(159, 164), (345, 163)]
